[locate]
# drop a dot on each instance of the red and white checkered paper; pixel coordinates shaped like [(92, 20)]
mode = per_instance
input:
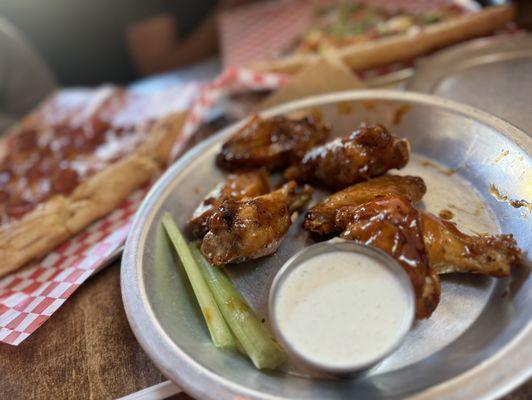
[(30, 296)]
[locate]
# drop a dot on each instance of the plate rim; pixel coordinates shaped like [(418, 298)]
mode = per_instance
[(194, 377), (432, 70)]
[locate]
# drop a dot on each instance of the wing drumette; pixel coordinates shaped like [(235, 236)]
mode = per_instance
[(450, 250), (321, 219), (393, 225), (252, 228), (368, 152), (237, 186), (271, 143)]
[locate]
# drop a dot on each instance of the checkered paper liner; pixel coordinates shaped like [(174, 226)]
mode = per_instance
[(30, 296)]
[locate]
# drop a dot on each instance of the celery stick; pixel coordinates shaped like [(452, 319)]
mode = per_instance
[(220, 334), (248, 330)]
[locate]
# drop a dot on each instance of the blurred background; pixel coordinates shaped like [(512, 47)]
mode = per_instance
[(50, 43), (46, 44), (90, 42)]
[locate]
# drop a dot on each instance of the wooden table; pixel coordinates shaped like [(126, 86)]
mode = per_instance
[(85, 351)]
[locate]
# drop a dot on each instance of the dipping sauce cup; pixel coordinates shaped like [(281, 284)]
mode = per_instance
[(339, 307)]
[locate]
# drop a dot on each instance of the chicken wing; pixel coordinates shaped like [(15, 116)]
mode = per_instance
[(450, 250), (321, 218), (271, 143), (241, 230), (368, 152), (237, 186), (392, 224)]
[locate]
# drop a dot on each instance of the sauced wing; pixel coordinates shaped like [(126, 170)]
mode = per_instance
[(271, 143), (321, 219), (252, 228), (392, 224), (368, 152), (450, 250), (237, 186)]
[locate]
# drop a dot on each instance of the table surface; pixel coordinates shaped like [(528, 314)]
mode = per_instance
[(85, 351)]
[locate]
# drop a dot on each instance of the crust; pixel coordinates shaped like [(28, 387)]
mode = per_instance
[(103, 192), (400, 47), (163, 135), (60, 217), (34, 235)]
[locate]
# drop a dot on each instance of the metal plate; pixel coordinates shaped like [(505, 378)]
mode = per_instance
[(477, 344), (493, 74)]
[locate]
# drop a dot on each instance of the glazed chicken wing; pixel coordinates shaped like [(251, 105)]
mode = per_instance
[(321, 219), (241, 230), (368, 152), (426, 245), (237, 186), (271, 143), (392, 224), (450, 250)]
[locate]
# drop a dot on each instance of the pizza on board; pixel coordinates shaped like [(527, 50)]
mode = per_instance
[(366, 36), (73, 160)]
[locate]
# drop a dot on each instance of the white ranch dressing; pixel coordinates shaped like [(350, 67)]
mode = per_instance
[(340, 309)]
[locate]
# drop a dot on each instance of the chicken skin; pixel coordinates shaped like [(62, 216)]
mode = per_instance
[(271, 143), (241, 230), (237, 186), (450, 250), (392, 224), (321, 219), (426, 245), (368, 152)]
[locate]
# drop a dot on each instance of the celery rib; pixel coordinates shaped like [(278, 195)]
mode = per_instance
[(220, 333), (256, 341)]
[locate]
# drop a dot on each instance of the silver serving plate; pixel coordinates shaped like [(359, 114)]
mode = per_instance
[(494, 74), (478, 343)]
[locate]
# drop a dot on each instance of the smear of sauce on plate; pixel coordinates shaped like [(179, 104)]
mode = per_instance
[(345, 108), (369, 105), (316, 114), (400, 113), (503, 154), (446, 214), (505, 198), (445, 171), (475, 212)]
